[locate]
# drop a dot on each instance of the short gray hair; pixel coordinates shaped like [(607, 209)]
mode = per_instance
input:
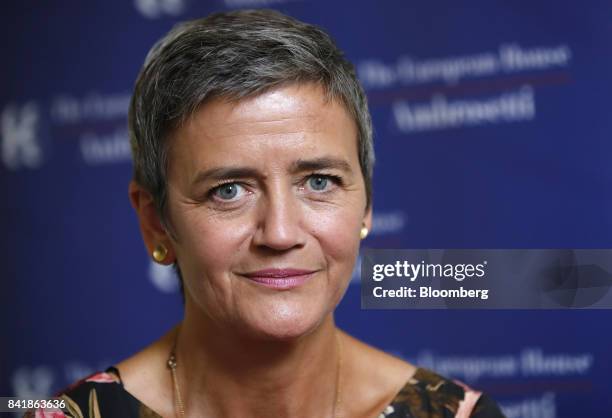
[(233, 55)]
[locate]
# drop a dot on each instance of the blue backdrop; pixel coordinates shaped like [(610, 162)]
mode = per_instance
[(492, 128)]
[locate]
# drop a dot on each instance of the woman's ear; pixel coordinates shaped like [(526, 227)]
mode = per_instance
[(156, 238)]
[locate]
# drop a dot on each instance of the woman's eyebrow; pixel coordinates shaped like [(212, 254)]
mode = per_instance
[(222, 173), (321, 164)]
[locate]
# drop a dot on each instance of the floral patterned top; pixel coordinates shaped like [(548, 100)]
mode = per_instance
[(425, 395)]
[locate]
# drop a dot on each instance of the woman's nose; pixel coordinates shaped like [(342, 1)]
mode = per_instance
[(279, 223)]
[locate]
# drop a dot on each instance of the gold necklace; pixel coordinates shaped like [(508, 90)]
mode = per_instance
[(176, 390)]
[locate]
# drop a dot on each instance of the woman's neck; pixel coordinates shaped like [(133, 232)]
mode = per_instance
[(221, 373)]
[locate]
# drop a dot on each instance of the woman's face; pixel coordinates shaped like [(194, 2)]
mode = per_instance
[(266, 199)]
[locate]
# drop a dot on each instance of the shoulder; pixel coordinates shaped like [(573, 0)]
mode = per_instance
[(130, 390), (100, 394), (428, 394), (146, 377), (371, 377)]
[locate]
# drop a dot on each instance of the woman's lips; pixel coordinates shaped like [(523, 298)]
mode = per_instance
[(280, 278)]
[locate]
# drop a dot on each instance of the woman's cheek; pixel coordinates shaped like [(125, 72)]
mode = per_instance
[(209, 250), (216, 240), (339, 236)]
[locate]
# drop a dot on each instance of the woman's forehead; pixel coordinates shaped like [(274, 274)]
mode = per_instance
[(293, 118), (299, 104)]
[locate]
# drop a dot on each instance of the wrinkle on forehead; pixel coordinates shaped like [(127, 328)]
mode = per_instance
[(281, 110), (272, 128)]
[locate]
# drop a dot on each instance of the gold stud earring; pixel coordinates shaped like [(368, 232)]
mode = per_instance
[(364, 232), (160, 252)]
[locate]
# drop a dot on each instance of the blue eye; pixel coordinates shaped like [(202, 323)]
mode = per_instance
[(227, 191), (318, 182)]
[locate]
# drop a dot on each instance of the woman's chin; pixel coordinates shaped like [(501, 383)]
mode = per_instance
[(282, 325)]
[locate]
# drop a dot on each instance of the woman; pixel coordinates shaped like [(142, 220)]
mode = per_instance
[(253, 157)]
